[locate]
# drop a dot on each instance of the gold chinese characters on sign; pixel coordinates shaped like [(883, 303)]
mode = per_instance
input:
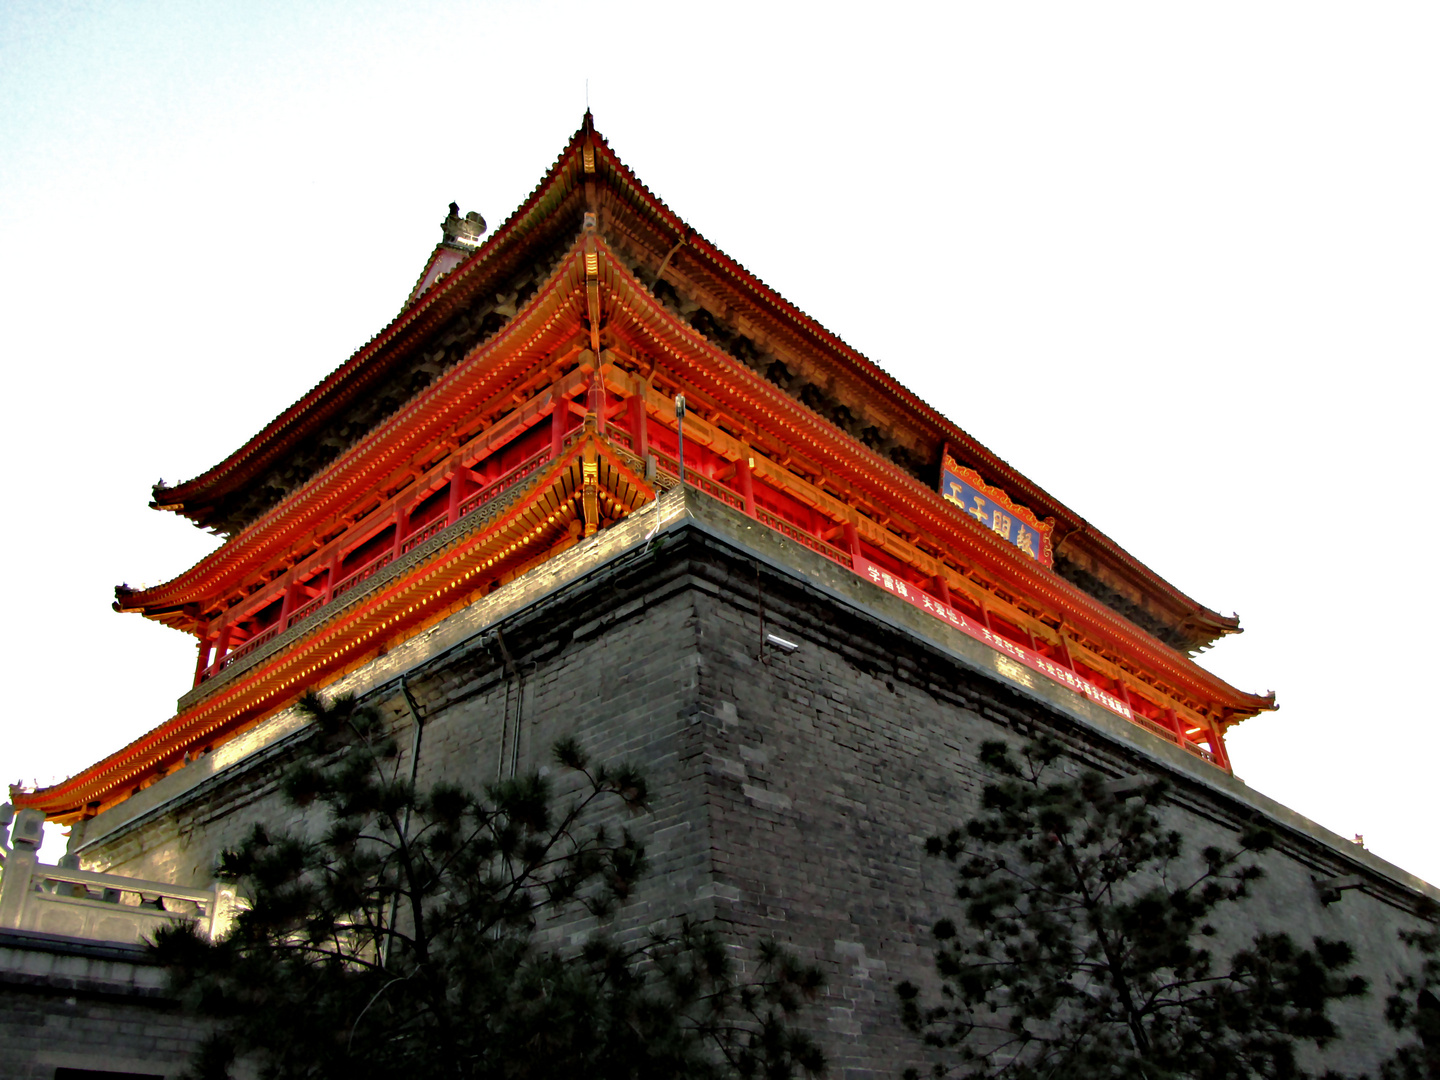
[(992, 509)]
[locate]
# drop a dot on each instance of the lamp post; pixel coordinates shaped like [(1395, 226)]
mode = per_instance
[(680, 429)]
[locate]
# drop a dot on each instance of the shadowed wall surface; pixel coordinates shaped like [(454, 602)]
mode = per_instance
[(792, 791)]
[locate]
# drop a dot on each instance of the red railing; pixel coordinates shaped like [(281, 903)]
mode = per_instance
[(346, 584), (1170, 736), (1157, 729), (800, 536), (509, 480), (724, 494), (732, 498), (417, 538), (305, 609), (246, 649), (699, 480), (1199, 751)]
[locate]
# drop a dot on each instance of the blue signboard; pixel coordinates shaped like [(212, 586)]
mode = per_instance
[(992, 509)]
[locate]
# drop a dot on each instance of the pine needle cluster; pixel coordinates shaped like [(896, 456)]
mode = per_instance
[(413, 932), (1089, 947), (1413, 1008)]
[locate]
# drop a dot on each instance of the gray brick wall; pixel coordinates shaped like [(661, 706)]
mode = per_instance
[(792, 792), (830, 766), (68, 1004)]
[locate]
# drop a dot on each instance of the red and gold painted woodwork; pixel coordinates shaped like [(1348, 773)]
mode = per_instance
[(537, 438), (993, 509), (588, 176), (585, 483)]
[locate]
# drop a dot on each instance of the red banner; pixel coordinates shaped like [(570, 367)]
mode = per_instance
[(1010, 650)]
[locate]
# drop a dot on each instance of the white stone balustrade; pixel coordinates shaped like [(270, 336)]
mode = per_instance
[(99, 907)]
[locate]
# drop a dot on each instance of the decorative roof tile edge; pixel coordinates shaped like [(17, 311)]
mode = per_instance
[(472, 522), (586, 135)]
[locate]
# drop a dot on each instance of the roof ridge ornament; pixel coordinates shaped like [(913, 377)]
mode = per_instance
[(587, 145), (463, 232)]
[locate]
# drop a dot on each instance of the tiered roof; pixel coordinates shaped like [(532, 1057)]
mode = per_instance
[(595, 290), (638, 219)]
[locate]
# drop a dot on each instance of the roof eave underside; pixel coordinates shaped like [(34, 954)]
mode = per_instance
[(535, 330), (170, 737), (560, 181), (193, 497), (638, 310)]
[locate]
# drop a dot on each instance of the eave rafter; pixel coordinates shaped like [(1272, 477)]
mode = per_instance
[(588, 173), (547, 517), (638, 320), (592, 276), (549, 321)]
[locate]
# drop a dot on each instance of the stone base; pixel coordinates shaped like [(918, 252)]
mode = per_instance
[(72, 1004), (792, 789)]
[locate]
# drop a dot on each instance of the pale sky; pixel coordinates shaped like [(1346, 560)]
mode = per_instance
[(1176, 263)]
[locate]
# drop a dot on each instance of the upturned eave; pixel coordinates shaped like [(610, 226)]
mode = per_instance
[(698, 257), (640, 320), (549, 318), (428, 590)]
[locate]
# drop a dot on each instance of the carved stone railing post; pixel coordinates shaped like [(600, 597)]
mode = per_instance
[(20, 863), (223, 909), (72, 902)]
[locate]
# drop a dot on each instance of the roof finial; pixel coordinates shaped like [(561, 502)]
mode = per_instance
[(463, 232)]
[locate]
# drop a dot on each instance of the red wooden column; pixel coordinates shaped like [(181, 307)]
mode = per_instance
[(222, 643), (457, 481), (287, 604), (942, 589), (1065, 648), (852, 540), (402, 523), (202, 661), (596, 403), (333, 577), (1217, 745), (558, 416), (746, 479), (639, 424), (1123, 693)]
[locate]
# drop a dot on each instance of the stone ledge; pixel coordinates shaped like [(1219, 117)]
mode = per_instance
[(53, 964), (815, 572), (601, 557), (60, 945)]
